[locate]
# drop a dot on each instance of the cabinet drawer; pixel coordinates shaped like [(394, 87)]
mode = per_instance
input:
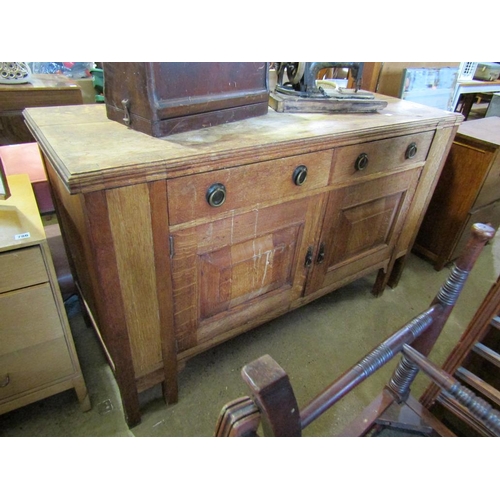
[(360, 160), (29, 317), (34, 367), (246, 186), (21, 268)]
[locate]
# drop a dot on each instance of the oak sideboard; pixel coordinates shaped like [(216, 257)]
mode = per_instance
[(180, 243)]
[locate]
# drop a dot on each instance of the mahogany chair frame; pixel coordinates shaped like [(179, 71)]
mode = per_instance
[(273, 407)]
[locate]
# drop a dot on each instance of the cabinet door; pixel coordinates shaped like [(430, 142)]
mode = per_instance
[(490, 214), (361, 225), (239, 271)]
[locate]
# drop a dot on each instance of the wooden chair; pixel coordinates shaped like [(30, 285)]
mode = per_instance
[(273, 408), (475, 361)]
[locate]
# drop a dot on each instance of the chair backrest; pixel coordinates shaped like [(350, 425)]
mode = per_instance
[(272, 404), (475, 361)]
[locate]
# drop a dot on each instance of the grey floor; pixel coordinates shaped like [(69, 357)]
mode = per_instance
[(314, 345)]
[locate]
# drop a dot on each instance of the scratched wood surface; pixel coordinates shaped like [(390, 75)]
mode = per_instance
[(103, 153), (169, 276), (222, 268), (369, 216), (247, 186)]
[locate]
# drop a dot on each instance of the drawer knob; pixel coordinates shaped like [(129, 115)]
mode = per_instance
[(216, 195), (5, 381), (411, 151), (300, 175), (361, 162)]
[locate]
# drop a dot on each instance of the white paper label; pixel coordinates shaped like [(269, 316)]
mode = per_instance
[(22, 236)]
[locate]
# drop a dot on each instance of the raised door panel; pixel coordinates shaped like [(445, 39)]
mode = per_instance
[(362, 223), (241, 269)]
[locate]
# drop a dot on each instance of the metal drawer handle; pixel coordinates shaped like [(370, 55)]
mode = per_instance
[(321, 254), (126, 108), (361, 162), (300, 175), (5, 382), (411, 151), (216, 195), (309, 257)]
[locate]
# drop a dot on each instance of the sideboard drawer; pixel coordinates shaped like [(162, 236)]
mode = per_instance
[(21, 268), (34, 367), (368, 158), (246, 186)]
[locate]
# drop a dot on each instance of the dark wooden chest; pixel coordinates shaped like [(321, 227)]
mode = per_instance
[(163, 98)]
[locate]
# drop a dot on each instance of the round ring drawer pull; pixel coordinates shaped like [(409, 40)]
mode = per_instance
[(411, 151), (5, 382), (361, 162), (300, 175), (216, 195)]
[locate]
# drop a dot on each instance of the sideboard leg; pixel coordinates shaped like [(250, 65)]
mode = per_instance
[(170, 387), (380, 283), (396, 272), (130, 401), (109, 302)]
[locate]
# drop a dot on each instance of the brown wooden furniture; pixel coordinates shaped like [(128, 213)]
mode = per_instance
[(163, 98), (468, 191), (37, 354), (181, 243), (475, 361), (273, 406), (44, 90)]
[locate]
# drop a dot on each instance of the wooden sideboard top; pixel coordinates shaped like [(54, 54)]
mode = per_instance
[(20, 222), (91, 152), (486, 130)]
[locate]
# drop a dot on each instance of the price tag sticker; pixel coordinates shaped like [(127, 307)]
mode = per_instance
[(22, 236)]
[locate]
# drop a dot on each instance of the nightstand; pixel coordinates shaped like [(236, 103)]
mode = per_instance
[(37, 353)]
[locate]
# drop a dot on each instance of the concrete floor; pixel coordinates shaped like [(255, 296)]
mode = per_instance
[(314, 345)]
